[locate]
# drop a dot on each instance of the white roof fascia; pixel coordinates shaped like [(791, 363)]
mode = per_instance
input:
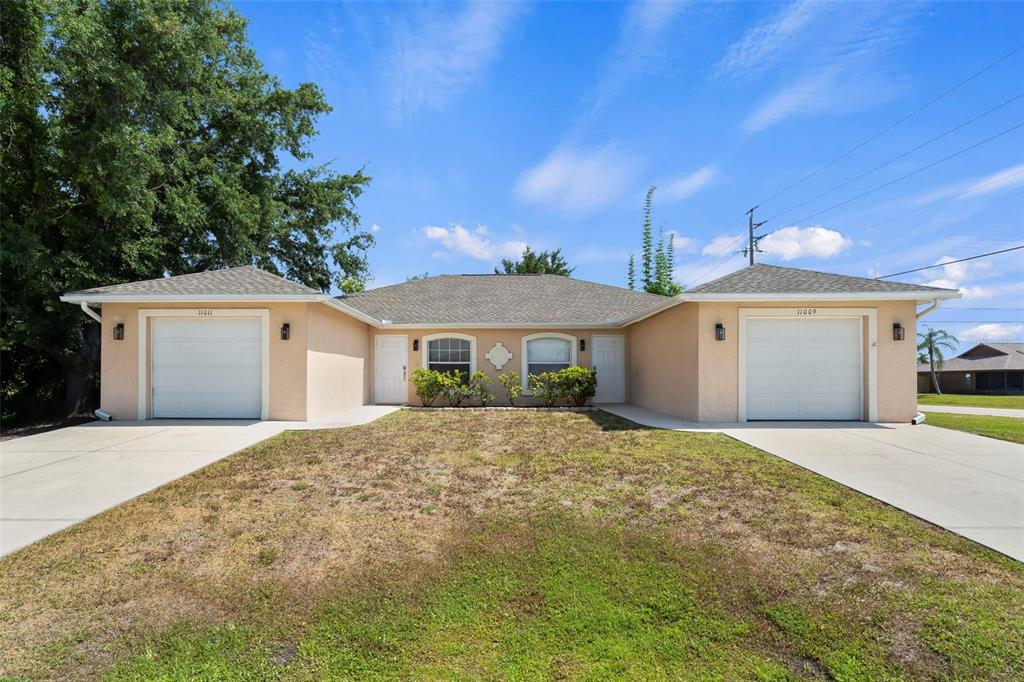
[(184, 298), (919, 296)]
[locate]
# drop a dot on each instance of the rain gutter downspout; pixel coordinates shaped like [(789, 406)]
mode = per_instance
[(90, 312), (929, 309)]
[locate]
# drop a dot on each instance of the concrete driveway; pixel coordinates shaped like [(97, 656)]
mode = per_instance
[(53, 480), (968, 484)]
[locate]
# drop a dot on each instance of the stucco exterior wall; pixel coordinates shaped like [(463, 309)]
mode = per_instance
[(896, 360), (663, 361), (512, 339), (119, 360), (338, 364)]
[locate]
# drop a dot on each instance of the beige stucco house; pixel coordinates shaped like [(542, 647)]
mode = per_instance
[(764, 342)]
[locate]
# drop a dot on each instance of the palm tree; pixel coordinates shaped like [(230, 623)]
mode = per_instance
[(931, 346)]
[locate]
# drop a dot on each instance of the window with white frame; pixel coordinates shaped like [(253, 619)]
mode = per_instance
[(547, 353), (450, 354)]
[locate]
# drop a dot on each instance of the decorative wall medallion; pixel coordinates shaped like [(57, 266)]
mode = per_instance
[(499, 356)]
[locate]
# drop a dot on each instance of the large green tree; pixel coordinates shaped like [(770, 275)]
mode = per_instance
[(142, 138), (536, 263)]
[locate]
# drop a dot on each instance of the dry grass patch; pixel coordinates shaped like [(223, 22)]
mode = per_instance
[(248, 562)]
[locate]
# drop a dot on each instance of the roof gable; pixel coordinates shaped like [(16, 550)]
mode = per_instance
[(500, 300), (241, 281), (774, 279)]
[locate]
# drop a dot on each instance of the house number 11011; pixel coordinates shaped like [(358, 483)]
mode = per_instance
[(806, 311), (204, 312)]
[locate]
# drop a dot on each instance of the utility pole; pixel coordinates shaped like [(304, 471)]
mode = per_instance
[(752, 240)]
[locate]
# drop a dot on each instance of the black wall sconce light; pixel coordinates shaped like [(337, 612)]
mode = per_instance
[(897, 331), (415, 344), (583, 344), (119, 331), (286, 331), (719, 331)]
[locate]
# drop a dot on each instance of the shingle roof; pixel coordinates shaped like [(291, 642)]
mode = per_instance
[(503, 299), (1003, 356), (773, 279), (245, 280)]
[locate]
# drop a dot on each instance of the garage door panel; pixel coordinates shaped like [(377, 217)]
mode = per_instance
[(206, 368), (782, 354), (759, 328), (799, 368)]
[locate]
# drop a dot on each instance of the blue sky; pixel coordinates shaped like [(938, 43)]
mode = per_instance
[(488, 126)]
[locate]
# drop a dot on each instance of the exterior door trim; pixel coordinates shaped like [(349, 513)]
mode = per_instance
[(622, 346), (144, 355), (872, 346), (376, 358)]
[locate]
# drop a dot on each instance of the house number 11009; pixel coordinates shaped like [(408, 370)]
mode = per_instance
[(806, 311)]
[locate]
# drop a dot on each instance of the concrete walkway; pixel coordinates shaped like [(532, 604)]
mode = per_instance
[(968, 484), (958, 409), (53, 480)]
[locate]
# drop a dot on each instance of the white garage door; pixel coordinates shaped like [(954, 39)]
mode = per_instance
[(209, 368), (804, 368)]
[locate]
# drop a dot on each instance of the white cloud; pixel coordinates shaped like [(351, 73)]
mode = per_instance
[(688, 185), (762, 45), (684, 244), (1006, 179), (794, 242), (436, 59), (578, 182), (474, 243), (719, 246), (994, 332), (640, 46), (375, 228), (840, 65)]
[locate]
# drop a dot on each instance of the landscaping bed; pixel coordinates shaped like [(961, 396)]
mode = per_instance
[(508, 545)]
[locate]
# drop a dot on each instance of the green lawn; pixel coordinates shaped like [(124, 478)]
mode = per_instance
[(1003, 428), (972, 400), (459, 545)]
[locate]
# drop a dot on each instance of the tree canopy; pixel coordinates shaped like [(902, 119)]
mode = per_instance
[(536, 263), (144, 139)]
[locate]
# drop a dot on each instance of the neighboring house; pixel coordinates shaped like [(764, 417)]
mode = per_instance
[(764, 342), (986, 368)]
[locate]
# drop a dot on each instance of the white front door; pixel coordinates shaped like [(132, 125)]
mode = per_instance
[(391, 364), (804, 368), (608, 353), (206, 367)]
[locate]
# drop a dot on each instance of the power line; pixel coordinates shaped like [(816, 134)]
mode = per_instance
[(911, 173), (976, 321), (898, 157), (947, 307), (897, 123), (961, 260), (853, 149)]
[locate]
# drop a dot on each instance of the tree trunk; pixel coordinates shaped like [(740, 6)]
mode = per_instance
[(81, 370), (935, 377)]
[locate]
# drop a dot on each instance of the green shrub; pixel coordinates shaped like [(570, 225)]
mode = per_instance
[(576, 385), (480, 386), (428, 385), (513, 385), (453, 386), (545, 387)]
